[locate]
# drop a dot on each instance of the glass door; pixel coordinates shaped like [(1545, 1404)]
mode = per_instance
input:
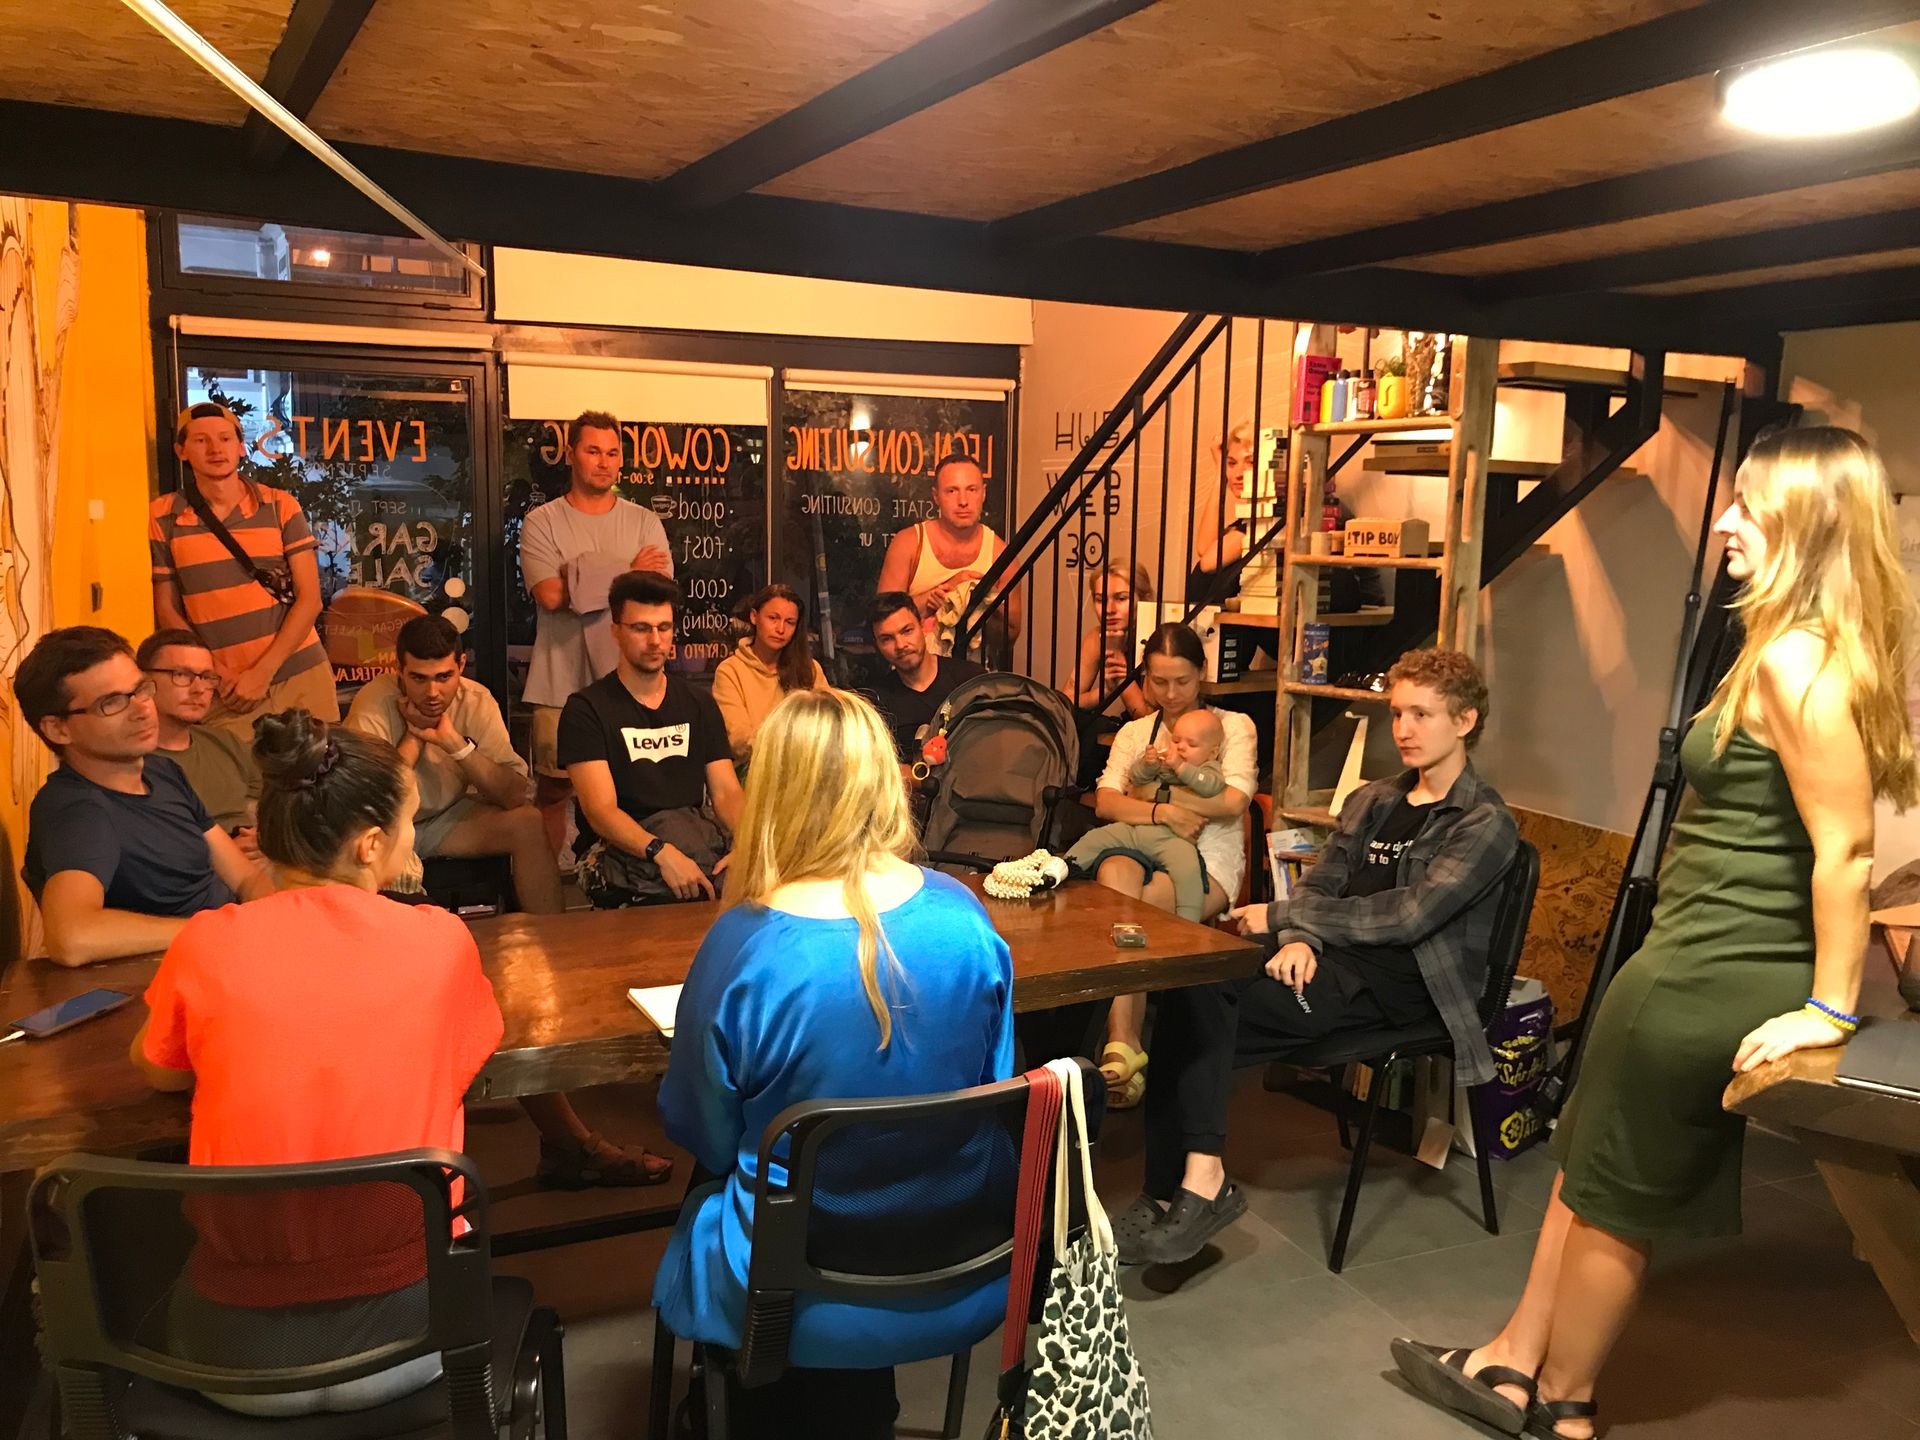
[(381, 456)]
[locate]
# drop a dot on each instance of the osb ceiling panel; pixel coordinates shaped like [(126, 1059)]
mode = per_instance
[(1656, 127), (1869, 195), (617, 87), (1812, 269), (1180, 80), (98, 53)]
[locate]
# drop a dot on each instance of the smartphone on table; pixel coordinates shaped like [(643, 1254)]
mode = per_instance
[(66, 1014)]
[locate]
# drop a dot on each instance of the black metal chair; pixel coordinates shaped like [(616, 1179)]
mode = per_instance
[(161, 1282), (888, 1199), (1383, 1052)]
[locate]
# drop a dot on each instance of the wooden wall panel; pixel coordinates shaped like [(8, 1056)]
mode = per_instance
[(1183, 79), (1869, 195), (1580, 870), (608, 86), (1658, 127), (99, 53)]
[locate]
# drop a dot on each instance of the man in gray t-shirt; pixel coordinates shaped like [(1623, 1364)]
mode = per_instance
[(579, 540)]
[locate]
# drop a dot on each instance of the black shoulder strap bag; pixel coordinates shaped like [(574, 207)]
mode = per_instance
[(277, 583)]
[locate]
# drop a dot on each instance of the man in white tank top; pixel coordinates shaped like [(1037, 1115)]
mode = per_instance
[(939, 561)]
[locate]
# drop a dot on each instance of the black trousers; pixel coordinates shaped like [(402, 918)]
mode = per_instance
[(1205, 1032)]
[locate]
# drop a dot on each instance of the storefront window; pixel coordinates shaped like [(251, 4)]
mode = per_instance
[(383, 466), (303, 255)]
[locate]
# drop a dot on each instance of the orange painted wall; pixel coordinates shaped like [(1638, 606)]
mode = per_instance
[(103, 462)]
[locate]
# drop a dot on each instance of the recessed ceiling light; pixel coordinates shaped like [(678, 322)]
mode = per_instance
[(321, 257), (1830, 91)]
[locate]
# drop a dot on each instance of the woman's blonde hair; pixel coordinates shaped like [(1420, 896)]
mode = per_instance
[(824, 801), (1819, 496), (1139, 583)]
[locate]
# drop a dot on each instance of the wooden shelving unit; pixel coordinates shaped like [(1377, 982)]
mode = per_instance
[(1468, 428)]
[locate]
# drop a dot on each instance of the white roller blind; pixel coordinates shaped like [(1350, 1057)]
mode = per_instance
[(558, 387), (556, 288), (935, 387)]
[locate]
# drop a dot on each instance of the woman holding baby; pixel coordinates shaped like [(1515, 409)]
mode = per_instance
[(1175, 668)]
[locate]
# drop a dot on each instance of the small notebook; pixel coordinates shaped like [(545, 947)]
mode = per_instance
[(1884, 1056), (659, 1004)]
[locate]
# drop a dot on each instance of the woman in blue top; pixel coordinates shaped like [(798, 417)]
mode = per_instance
[(839, 970)]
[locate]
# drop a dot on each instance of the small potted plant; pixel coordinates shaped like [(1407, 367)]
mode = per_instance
[(1391, 401)]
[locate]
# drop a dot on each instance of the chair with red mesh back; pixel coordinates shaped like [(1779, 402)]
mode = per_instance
[(161, 1284)]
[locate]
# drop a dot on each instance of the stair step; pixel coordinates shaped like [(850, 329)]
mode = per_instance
[(1371, 562), (1545, 375), (1335, 692), (1380, 427), (1309, 815)]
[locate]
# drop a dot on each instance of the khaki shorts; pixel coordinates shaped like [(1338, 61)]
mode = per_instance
[(311, 690), (543, 738), (430, 835)]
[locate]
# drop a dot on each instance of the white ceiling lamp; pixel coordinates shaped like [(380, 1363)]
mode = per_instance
[(1832, 90)]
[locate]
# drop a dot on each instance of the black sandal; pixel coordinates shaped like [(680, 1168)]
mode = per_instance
[(1441, 1375), (1544, 1416)]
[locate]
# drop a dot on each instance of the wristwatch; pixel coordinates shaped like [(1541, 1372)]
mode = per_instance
[(654, 847), (465, 750)]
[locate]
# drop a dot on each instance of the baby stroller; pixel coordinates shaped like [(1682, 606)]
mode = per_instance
[(1002, 754)]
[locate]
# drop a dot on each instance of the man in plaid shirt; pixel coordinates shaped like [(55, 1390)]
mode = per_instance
[(1387, 933)]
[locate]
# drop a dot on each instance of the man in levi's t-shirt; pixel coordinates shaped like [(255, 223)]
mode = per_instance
[(322, 1022), (639, 741)]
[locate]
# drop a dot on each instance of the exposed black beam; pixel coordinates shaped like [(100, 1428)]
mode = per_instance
[(315, 41), (1762, 170), (1860, 297), (113, 158), (993, 39), (1706, 38), (1724, 255)]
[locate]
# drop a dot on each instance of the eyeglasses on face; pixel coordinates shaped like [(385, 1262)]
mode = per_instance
[(114, 701), (187, 679)]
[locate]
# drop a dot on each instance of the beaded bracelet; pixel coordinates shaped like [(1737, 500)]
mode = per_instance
[(1840, 1018)]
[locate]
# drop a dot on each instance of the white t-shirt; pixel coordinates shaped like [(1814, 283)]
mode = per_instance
[(550, 536), (1222, 843)]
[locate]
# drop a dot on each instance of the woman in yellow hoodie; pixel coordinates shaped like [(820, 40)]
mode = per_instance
[(774, 657)]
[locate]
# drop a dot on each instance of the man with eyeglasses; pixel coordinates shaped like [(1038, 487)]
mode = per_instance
[(120, 851), (647, 754), (217, 765)]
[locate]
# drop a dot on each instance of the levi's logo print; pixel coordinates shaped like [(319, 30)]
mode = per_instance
[(662, 744)]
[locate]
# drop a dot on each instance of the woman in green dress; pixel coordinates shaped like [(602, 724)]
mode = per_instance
[(1757, 940)]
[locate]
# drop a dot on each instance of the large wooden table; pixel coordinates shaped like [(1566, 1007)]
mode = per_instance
[(561, 981), (1867, 1147)]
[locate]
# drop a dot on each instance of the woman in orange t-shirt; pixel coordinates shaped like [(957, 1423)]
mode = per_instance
[(322, 1022)]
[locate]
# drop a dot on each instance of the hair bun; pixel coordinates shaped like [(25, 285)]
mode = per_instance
[(292, 749)]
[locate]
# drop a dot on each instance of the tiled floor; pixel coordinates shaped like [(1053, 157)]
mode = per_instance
[(1780, 1333)]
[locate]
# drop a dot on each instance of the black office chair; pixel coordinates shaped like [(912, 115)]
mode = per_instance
[(159, 1282), (890, 1199), (1383, 1051)]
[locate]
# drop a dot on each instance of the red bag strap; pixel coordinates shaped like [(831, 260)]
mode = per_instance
[(1036, 1163)]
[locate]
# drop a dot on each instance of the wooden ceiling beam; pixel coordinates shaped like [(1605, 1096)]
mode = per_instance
[(317, 37), (166, 164), (1722, 255), (1759, 170), (1657, 52), (996, 38)]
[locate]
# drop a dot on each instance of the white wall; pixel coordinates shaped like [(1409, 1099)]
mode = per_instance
[(1863, 378)]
